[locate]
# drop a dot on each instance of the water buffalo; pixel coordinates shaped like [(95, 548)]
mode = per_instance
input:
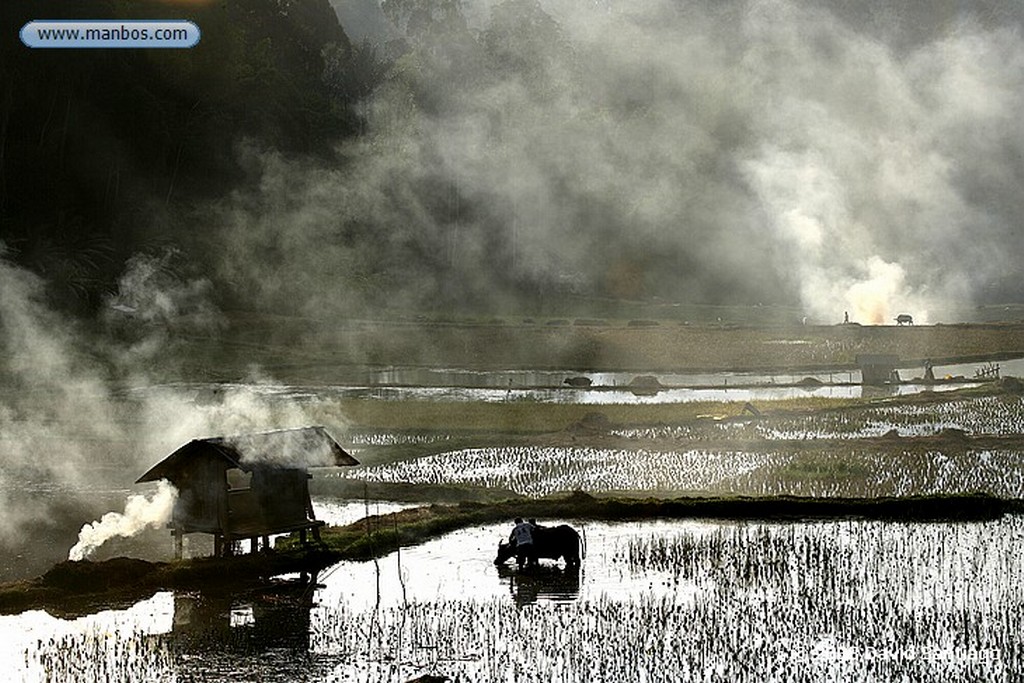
[(550, 543), (904, 319)]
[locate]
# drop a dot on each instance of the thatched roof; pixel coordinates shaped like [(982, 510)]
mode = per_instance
[(283, 448)]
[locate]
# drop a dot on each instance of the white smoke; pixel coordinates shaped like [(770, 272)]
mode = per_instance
[(171, 417), (78, 413), (292, 448), (153, 290), (852, 156), (139, 513)]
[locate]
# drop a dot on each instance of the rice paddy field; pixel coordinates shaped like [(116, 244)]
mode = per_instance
[(963, 444), (655, 600)]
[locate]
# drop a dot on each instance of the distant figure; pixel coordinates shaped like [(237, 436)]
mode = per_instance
[(904, 319), (522, 539), (929, 372), (846, 317)]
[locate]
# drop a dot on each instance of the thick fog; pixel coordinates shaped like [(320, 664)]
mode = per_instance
[(845, 157)]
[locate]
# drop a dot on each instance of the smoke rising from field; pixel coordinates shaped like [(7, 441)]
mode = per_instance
[(140, 513), (862, 159)]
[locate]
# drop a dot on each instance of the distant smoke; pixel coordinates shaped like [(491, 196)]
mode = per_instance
[(140, 513), (844, 156), (152, 291), (157, 298)]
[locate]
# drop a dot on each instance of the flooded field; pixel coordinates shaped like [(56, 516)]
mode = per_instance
[(989, 415), (850, 472), (864, 451), (654, 601)]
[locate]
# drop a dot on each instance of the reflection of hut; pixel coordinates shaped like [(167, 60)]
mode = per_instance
[(275, 616), (247, 486), (877, 369)]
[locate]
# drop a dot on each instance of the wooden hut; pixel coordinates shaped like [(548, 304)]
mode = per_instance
[(877, 369), (248, 486)]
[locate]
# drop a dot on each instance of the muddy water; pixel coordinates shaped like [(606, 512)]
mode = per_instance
[(654, 601)]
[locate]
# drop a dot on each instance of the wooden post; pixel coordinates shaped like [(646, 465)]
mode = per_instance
[(178, 543)]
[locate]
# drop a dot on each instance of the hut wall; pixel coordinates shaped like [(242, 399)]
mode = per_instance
[(877, 369), (202, 492), (283, 496), (245, 515), (214, 499)]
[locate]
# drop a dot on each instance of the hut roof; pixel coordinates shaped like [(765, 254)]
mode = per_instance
[(284, 448)]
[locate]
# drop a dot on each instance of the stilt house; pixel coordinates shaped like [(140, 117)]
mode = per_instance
[(249, 486), (878, 369)]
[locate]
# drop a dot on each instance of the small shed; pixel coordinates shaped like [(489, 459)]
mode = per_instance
[(248, 486), (878, 368)]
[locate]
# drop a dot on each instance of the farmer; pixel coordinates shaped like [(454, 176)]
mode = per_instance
[(522, 539)]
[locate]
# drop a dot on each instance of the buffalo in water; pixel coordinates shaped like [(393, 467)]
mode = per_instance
[(550, 543)]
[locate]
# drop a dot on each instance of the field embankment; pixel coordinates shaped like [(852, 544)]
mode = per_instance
[(71, 588)]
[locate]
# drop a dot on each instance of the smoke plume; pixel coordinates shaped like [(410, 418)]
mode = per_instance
[(293, 448), (81, 417), (139, 513), (841, 156)]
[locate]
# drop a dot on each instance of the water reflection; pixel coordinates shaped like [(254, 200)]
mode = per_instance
[(772, 389), (270, 618), (657, 600), (545, 582)]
